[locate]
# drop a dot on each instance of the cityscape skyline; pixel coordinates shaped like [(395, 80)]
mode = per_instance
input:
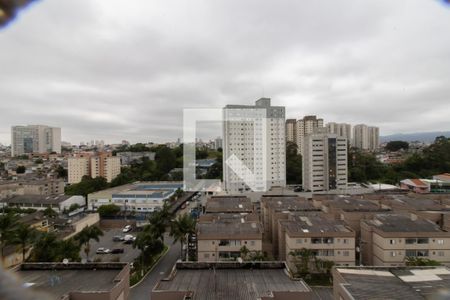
[(347, 62)]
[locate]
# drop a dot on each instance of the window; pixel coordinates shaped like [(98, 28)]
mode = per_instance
[(252, 243), (422, 241), (393, 254), (206, 255), (440, 242), (392, 242), (224, 243), (346, 253), (440, 253), (345, 241), (410, 241), (299, 241)]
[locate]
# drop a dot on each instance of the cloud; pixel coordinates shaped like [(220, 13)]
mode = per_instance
[(109, 70)]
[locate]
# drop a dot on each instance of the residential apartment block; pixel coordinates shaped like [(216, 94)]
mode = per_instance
[(324, 162), (45, 187), (340, 129), (306, 126), (291, 130), (101, 164), (221, 238), (366, 137), (254, 143), (35, 139), (328, 239), (229, 204), (389, 239)]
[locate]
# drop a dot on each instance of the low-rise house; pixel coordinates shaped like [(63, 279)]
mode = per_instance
[(58, 203), (390, 239), (415, 185), (221, 238), (327, 239)]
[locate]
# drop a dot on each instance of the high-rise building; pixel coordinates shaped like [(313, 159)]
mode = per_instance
[(291, 130), (340, 129), (254, 143), (305, 126), (94, 165), (324, 162), (35, 139), (366, 137)]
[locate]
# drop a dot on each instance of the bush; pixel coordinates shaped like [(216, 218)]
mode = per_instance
[(109, 210)]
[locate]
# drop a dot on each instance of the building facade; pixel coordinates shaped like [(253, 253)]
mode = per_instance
[(306, 126), (94, 165), (291, 130), (325, 165), (340, 129), (254, 139), (35, 139), (366, 137)]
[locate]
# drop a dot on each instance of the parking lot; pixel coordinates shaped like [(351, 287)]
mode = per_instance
[(106, 241)]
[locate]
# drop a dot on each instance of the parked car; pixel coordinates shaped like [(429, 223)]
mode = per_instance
[(117, 250), (127, 228), (102, 250), (118, 238)]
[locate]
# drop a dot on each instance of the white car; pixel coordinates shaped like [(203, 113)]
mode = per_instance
[(127, 228), (102, 250)]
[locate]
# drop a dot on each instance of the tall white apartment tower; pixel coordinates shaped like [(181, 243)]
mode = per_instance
[(374, 138), (366, 137), (325, 164), (254, 147), (340, 129), (35, 139), (305, 126), (291, 130)]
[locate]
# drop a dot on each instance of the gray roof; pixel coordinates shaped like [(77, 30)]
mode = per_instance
[(229, 204), (353, 204), (397, 282), (57, 283), (402, 223), (36, 199), (235, 284), (228, 228), (291, 203), (314, 223)]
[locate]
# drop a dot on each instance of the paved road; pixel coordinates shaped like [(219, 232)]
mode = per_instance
[(161, 270), (106, 242)]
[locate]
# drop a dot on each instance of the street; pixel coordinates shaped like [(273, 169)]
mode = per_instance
[(160, 271)]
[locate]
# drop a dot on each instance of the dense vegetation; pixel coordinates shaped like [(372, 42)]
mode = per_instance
[(396, 145), (434, 159), (293, 164)]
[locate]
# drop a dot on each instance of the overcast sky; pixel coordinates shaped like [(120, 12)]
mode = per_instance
[(113, 70)]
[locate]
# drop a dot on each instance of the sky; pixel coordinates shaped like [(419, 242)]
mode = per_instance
[(115, 70)]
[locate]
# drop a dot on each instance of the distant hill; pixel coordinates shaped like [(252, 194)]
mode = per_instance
[(426, 137)]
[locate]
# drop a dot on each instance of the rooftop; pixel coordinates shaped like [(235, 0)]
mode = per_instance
[(235, 227), (353, 204), (230, 283), (396, 282), (229, 204), (402, 223), (310, 223), (57, 280), (141, 188), (289, 203), (36, 199)]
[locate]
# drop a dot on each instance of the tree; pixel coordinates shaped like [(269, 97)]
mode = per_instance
[(302, 260), (50, 213), (20, 169), (165, 159), (45, 248), (396, 146), (23, 235), (109, 210), (293, 164), (86, 235), (62, 173), (67, 249), (181, 227), (7, 223), (39, 161), (86, 186)]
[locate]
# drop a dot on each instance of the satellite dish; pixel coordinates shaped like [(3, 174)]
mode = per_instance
[(65, 261)]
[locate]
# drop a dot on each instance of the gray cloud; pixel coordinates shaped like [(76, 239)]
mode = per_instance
[(105, 70)]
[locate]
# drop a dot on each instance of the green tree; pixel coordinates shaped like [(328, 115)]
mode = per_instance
[(20, 169), (302, 260), (85, 236), (293, 164), (45, 248), (7, 224), (62, 173), (165, 159), (181, 227), (23, 235), (396, 145), (67, 249), (420, 261), (50, 212), (86, 186), (39, 161), (109, 210)]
